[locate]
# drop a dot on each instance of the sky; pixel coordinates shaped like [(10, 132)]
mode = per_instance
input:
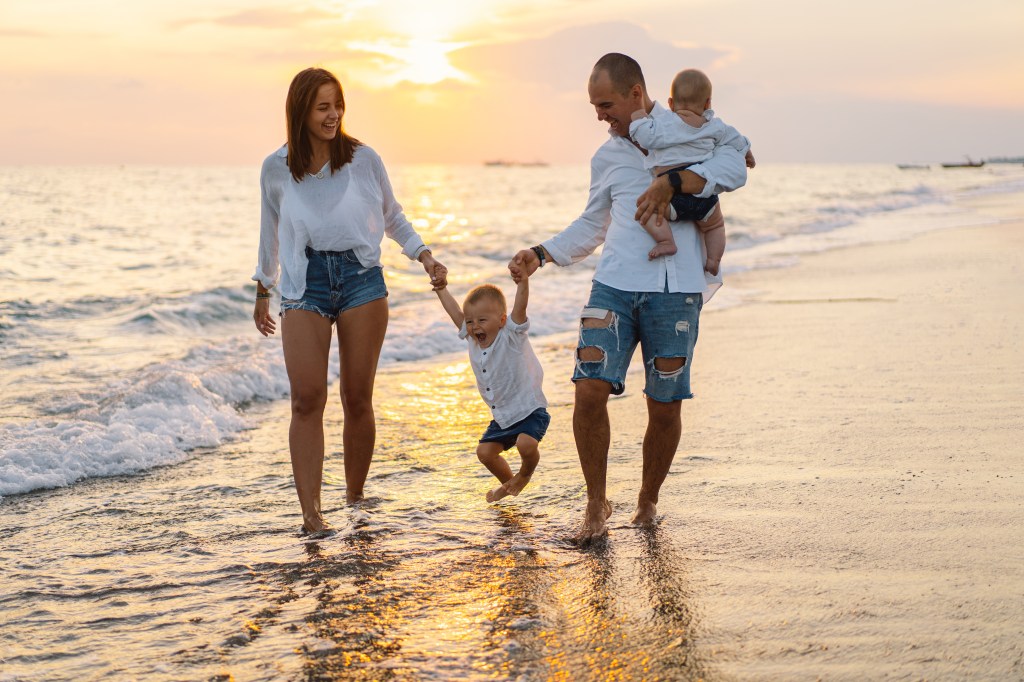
[(203, 82)]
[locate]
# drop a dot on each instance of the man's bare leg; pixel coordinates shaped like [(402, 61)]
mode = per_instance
[(664, 427), (593, 435)]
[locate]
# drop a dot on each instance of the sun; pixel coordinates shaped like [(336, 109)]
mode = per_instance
[(416, 60)]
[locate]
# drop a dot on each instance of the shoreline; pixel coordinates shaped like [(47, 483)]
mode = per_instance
[(848, 508)]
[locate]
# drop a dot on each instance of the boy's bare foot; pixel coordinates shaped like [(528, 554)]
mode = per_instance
[(512, 486), (645, 514), (712, 266), (594, 522), (666, 248)]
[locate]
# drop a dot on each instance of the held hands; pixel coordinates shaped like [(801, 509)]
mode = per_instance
[(654, 201), (523, 264), (437, 272), (265, 323)]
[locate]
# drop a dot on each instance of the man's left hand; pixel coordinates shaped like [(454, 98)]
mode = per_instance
[(654, 201)]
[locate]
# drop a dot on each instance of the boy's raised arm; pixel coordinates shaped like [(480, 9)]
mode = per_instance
[(451, 306), (522, 298)]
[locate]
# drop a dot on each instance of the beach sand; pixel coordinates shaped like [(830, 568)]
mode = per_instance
[(846, 504), (852, 468)]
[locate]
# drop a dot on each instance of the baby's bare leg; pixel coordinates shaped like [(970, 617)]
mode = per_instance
[(713, 228), (662, 234), (529, 451)]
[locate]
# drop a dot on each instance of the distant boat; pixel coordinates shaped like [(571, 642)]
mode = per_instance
[(500, 163), (964, 164), (913, 166), (1005, 159)]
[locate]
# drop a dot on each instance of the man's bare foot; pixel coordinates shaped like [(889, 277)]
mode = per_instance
[(311, 526), (645, 514), (594, 519), (512, 486), (666, 248)]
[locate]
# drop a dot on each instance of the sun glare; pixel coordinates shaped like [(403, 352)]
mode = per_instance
[(423, 62)]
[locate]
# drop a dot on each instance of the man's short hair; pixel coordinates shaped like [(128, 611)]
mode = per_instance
[(691, 87), (486, 292), (623, 71)]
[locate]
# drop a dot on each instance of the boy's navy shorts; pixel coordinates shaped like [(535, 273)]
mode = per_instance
[(535, 425)]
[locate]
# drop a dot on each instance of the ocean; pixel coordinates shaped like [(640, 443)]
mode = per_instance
[(148, 525)]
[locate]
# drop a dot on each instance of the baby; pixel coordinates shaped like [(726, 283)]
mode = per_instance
[(680, 138), (509, 377)]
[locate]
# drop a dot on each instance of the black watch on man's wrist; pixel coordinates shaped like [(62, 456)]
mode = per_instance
[(676, 182)]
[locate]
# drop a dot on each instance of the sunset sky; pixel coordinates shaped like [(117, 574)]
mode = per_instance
[(204, 81)]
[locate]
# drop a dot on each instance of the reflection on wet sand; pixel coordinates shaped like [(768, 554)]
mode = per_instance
[(623, 611)]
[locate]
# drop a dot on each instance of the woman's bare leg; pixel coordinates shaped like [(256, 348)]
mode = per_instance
[(360, 337), (306, 338)]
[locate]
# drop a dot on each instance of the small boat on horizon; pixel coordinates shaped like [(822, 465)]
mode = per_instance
[(502, 163), (969, 163), (913, 166)]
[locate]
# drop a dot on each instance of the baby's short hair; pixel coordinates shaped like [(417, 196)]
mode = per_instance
[(691, 87), (486, 292)]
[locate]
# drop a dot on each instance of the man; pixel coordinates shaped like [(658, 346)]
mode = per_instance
[(655, 303)]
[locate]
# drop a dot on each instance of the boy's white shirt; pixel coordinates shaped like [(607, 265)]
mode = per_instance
[(508, 374)]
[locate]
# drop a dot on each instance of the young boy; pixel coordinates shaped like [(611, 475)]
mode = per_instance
[(677, 139), (509, 377)]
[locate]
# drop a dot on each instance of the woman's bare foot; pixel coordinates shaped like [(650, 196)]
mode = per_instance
[(594, 522), (665, 248), (645, 514), (512, 486)]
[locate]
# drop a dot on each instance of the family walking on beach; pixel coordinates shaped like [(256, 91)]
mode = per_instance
[(327, 203)]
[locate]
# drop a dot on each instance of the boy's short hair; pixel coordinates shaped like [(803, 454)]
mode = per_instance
[(486, 292), (691, 87)]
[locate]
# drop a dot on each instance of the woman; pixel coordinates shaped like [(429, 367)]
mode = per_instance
[(326, 205)]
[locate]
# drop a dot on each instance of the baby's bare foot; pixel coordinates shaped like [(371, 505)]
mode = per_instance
[(712, 266), (662, 249)]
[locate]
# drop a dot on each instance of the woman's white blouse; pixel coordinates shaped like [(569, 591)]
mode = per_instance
[(351, 209)]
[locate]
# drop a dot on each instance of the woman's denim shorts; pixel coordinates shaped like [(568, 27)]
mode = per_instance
[(335, 282)]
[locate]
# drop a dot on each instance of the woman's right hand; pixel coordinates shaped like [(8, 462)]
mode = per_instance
[(261, 316)]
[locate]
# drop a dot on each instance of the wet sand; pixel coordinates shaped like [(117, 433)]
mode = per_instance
[(846, 504), (851, 476)]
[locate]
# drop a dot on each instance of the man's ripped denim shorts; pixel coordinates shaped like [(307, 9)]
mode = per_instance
[(335, 282), (665, 325)]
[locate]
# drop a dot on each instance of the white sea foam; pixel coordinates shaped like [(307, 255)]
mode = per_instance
[(153, 418)]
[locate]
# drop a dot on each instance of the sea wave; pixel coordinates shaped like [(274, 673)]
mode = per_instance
[(158, 416)]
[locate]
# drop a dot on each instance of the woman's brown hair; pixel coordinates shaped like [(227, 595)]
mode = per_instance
[(300, 100)]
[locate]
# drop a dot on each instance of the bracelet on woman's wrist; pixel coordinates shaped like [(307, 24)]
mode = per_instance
[(262, 294)]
